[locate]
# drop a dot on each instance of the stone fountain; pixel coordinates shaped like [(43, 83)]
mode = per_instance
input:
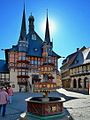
[(45, 107)]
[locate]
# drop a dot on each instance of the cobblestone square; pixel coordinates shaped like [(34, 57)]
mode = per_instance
[(77, 105)]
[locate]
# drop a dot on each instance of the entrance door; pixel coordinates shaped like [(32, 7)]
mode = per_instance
[(74, 83)]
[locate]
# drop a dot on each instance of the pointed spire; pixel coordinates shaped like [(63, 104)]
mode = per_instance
[(31, 24), (23, 25), (47, 34)]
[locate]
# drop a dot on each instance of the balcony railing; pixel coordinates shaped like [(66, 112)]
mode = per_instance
[(23, 61), (22, 76), (21, 82), (22, 67)]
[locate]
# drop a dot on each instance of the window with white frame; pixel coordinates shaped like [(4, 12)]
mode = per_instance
[(33, 37)]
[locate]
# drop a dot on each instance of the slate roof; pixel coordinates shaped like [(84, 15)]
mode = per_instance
[(55, 54), (83, 57), (14, 48), (80, 57), (69, 59), (34, 46), (3, 67)]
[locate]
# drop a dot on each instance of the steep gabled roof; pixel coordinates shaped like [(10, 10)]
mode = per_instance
[(55, 55), (81, 56), (69, 59), (14, 48), (35, 46)]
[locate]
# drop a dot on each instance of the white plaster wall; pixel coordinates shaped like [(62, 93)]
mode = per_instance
[(55, 77), (13, 80)]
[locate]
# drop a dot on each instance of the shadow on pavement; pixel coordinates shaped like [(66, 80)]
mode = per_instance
[(57, 94)]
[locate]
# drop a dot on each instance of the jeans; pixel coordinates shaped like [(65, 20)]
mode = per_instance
[(3, 110), (10, 99)]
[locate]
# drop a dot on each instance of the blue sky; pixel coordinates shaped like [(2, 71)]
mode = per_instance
[(71, 20)]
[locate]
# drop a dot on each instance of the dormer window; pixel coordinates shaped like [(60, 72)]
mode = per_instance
[(49, 49), (33, 37), (35, 49), (76, 61)]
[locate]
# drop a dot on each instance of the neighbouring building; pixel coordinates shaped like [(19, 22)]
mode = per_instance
[(75, 70), (22, 61), (59, 80)]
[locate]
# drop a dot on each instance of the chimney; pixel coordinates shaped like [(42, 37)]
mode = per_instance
[(77, 49)]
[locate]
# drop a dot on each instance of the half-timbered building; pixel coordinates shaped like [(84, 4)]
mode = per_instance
[(23, 60)]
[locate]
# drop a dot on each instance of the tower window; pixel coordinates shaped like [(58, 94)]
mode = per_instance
[(33, 37), (35, 49)]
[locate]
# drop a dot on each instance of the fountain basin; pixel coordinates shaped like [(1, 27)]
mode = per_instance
[(40, 107)]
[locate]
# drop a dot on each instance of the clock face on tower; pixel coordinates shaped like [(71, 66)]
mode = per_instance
[(33, 37)]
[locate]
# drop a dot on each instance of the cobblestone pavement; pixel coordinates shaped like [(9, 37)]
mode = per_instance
[(79, 108), (18, 106)]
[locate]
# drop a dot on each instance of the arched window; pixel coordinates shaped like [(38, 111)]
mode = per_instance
[(86, 82), (79, 83), (74, 83)]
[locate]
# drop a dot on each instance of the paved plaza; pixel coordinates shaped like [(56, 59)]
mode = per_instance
[(77, 105)]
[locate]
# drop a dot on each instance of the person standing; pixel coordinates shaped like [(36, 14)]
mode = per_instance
[(10, 93), (6, 88), (3, 100)]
